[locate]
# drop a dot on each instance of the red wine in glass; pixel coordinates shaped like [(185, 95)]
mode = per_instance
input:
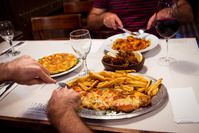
[(167, 27)]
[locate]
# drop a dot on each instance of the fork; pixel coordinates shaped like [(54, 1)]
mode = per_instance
[(129, 32), (62, 85)]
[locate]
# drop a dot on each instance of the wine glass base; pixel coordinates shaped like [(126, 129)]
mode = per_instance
[(84, 73), (166, 61), (15, 53)]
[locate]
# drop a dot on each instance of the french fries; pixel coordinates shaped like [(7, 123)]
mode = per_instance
[(114, 80), (120, 92)]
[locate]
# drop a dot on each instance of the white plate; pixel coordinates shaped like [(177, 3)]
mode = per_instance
[(68, 71), (153, 39)]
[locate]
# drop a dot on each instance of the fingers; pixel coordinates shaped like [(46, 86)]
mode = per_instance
[(111, 20), (44, 69), (118, 22), (34, 81), (45, 77), (151, 21), (69, 94)]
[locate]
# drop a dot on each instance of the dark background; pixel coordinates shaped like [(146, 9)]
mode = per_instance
[(19, 12)]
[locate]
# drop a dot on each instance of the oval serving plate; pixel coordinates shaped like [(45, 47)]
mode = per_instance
[(109, 41), (158, 101)]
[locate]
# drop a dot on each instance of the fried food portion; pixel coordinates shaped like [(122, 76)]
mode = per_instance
[(58, 62), (120, 92), (130, 43)]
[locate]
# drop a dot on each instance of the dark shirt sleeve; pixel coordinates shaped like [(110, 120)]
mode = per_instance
[(102, 4)]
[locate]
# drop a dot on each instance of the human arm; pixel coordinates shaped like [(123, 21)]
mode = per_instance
[(62, 114), (98, 18), (184, 10), (24, 70)]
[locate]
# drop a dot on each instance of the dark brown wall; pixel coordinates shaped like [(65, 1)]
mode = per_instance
[(21, 11)]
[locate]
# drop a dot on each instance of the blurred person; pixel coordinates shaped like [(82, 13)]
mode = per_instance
[(191, 29), (131, 14), (63, 103)]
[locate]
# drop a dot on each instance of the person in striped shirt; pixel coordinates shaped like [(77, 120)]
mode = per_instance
[(130, 14), (191, 30)]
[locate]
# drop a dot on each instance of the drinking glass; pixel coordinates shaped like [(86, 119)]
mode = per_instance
[(80, 40), (7, 33), (167, 26)]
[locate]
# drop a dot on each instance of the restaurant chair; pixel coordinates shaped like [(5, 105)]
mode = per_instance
[(79, 7), (55, 27), (83, 7)]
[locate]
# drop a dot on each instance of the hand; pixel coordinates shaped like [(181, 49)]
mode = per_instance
[(111, 20), (62, 101), (26, 70), (164, 13)]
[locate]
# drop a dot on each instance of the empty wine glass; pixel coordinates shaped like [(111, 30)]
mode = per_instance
[(81, 44), (7, 33), (167, 26)]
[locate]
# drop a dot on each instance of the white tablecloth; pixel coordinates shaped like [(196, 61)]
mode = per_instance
[(30, 101)]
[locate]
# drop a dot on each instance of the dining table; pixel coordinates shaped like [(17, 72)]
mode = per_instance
[(25, 105)]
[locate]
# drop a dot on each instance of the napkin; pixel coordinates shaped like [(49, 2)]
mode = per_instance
[(184, 105)]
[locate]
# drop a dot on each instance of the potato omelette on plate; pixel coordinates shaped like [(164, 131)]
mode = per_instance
[(59, 62)]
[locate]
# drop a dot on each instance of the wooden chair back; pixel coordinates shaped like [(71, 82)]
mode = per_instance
[(55, 27), (80, 7)]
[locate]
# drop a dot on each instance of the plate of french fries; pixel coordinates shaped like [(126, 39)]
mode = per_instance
[(115, 95)]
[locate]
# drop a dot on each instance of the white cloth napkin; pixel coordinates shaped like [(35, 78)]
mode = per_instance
[(184, 105)]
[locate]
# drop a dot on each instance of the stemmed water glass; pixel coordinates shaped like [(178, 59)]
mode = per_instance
[(80, 41), (7, 33), (167, 26)]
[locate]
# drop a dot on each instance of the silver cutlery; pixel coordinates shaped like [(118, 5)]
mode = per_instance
[(7, 88), (4, 84), (125, 30), (62, 85), (140, 31)]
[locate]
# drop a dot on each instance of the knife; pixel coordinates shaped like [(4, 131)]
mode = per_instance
[(7, 88), (129, 32)]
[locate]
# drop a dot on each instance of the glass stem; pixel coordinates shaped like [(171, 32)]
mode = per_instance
[(85, 66), (12, 48), (167, 48)]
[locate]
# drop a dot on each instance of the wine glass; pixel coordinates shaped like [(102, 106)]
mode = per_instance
[(7, 33), (167, 26), (81, 44)]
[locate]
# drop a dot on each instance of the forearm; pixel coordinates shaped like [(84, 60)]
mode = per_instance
[(4, 70), (95, 21), (71, 123)]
